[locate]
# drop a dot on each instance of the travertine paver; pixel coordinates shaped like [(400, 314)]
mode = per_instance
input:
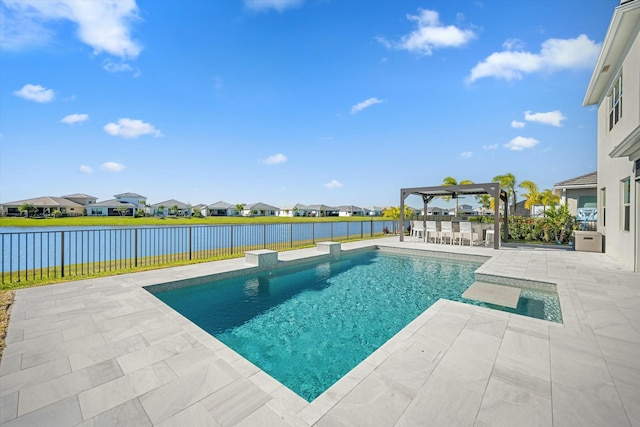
[(105, 351)]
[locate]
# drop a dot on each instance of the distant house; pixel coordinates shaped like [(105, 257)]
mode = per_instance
[(615, 88), (322, 210), (465, 209), (578, 193), (135, 199), (125, 204), (350, 210), (532, 212), (46, 205), (113, 207), (293, 210), (171, 207), (259, 209), (81, 199), (200, 207), (435, 210), (375, 210), (222, 209)]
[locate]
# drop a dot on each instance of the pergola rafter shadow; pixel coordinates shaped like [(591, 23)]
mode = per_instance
[(454, 191)]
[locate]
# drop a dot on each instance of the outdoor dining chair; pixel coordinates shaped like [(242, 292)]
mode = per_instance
[(431, 229), (417, 231), (465, 228), (446, 229)]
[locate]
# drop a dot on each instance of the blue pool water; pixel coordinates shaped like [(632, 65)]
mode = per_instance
[(308, 326)]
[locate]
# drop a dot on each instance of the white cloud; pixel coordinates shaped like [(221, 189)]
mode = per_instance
[(129, 128), (518, 125), (555, 55), (115, 67), (279, 5), (275, 159), (333, 184), (365, 104), (111, 167), (85, 169), (466, 154), (513, 44), (20, 30), (74, 118), (429, 35), (490, 147), (104, 25), (553, 118), (519, 143), (35, 93)]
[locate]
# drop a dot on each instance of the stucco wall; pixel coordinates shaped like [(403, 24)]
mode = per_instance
[(611, 171)]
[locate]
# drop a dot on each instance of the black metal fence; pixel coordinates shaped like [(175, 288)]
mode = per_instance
[(45, 255)]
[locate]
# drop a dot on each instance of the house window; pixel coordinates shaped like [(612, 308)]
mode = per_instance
[(615, 106), (626, 203)]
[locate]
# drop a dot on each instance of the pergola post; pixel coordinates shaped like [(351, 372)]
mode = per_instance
[(403, 196)]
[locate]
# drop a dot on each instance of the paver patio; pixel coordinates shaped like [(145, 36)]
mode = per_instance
[(105, 351)]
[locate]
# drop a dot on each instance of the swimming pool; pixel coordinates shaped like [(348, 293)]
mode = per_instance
[(307, 326)]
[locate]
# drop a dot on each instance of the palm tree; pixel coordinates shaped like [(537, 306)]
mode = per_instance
[(122, 210), (485, 200), (449, 180), (508, 183), (393, 212), (160, 209), (240, 208), (547, 198), (28, 209), (532, 196)]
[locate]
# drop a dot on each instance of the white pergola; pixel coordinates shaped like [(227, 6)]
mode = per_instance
[(454, 191)]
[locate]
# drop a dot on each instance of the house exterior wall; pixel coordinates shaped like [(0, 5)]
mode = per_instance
[(97, 210), (572, 196), (133, 200), (620, 244)]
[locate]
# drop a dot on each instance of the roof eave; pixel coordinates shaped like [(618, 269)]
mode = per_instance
[(630, 147), (610, 55)]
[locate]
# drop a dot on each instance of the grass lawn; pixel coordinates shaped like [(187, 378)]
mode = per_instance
[(119, 221), (6, 299)]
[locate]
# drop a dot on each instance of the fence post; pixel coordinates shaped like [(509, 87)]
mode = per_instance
[(62, 254), (135, 247), (332, 231), (264, 236), (291, 235), (362, 229), (231, 239), (190, 242), (313, 233)]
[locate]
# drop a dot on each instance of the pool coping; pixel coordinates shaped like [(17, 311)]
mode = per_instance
[(58, 333)]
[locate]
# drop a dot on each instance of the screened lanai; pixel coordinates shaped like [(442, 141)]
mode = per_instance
[(455, 191)]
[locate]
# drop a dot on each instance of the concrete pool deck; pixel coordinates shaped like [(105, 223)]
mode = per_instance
[(106, 351)]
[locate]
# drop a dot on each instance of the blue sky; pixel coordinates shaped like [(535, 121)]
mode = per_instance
[(293, 101)]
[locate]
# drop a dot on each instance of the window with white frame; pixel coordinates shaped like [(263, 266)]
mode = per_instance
[(615, 102), (625, 185)]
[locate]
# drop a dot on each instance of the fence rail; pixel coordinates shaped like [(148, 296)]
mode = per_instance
[(45, 255)]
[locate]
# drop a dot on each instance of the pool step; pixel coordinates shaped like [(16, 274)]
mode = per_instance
[(506, 296)]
